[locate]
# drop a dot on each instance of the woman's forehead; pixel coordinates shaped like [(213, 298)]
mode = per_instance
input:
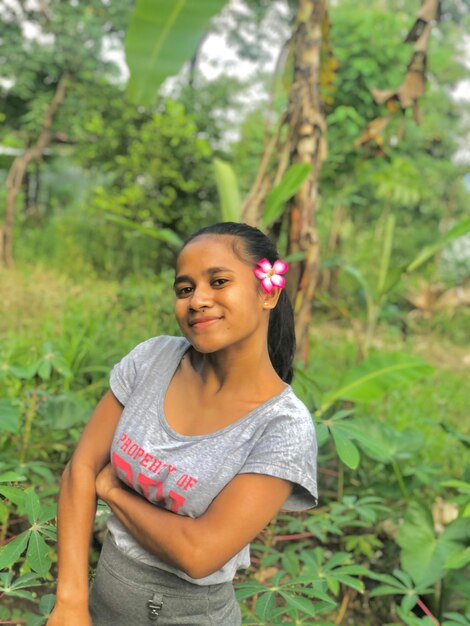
[(211, 250)]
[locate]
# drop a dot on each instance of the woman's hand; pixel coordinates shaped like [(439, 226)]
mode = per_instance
[(106, 481)]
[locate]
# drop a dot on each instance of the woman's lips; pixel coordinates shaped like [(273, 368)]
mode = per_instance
[(203, 322)]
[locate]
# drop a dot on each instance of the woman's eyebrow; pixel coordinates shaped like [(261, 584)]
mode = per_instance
[(184, 278)]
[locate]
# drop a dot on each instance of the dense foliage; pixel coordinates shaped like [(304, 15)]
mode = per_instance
[(389, 456)]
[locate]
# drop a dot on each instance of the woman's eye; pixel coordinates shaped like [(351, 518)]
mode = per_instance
[(183, 291), (218, 282)]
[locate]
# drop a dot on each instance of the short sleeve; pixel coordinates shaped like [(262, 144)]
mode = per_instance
[(123, 376), (288, 449)]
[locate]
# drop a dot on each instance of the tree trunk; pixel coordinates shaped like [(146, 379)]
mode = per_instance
[(305, 143), (307, 130), (18, 169), (31, 186)]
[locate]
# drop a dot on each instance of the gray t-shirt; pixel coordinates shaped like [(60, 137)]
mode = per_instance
[(185, 473)]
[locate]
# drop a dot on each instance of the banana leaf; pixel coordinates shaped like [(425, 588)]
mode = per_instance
[(161, 37)]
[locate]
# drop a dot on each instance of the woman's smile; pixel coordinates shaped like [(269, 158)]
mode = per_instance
[(203, 322)]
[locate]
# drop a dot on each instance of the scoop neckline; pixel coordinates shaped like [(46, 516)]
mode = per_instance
[(176, 435)]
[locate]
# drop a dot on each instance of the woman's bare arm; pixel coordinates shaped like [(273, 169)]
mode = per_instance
[(199, 546), (76, 512)]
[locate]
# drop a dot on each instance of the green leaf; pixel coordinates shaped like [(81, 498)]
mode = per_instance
[(386, 253), (14, 494), (418, 542), (290, 562), (339, 558), (12, 551), (423, 555), (381, 442), (301, 604), (46, 604), (384, 578), (290, 183), (358, 570), (459, 230), (5, 580), (316, 593), (370, 437), (377, 375), (65, 410), (161, 37), (347, 451), (9, 417), (409, 601), (322, 433), (341, 415), (394, 274), (35, 620), (26, 595), (458, 559), (411, 620), (265, 605), (349, 581), (48, 531), (162, 234), (26, 580), (11, 477), (333, 585), (32, 505), (37, 555), (229, 195), (61, 366), (47, 513), (460, 485), (384, 590), (246, 590), (23, 372), (361, 279), (403, 577), (45, 370), (455, 620)]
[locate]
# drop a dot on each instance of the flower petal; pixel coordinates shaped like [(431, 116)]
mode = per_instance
[(278, 281), (265, 265), (280, 266), (259, 273), (267, 285)]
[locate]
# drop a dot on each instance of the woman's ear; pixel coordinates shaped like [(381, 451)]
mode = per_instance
[(270, 299)]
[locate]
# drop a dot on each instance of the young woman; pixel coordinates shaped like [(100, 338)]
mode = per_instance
[(199, 442)]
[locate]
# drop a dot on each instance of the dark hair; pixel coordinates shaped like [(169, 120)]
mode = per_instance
[(281, 330)]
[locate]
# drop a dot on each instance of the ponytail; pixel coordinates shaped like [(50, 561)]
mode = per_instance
[(281, 338)]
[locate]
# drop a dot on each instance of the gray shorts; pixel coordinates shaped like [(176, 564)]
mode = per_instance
[(128, 593)]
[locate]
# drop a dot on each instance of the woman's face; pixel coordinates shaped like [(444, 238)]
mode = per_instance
[(218, 300)]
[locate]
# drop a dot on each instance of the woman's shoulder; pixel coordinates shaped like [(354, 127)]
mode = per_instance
[(160, 352), (287, 411), (292, 402), (158, 345)]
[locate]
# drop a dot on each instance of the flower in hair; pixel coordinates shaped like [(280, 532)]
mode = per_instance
[(270, 275)]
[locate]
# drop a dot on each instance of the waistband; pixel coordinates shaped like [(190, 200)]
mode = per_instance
[(134, 570)]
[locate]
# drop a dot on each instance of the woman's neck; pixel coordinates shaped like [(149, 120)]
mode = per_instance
[(236, 370)]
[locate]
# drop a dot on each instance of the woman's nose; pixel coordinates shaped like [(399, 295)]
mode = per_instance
[(201, 297)]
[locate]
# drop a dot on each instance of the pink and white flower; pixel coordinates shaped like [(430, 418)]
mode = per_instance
[(270, 275)]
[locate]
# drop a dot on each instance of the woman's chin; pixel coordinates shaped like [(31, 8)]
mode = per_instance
[(204, 347)]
